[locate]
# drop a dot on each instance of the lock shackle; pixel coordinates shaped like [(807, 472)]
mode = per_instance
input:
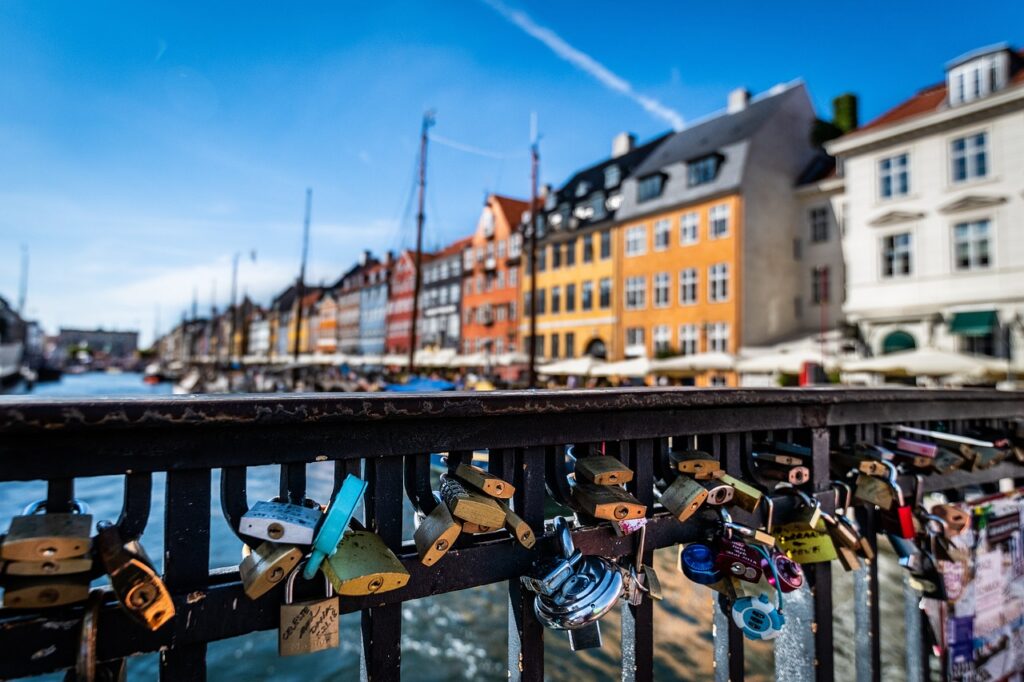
[(769, 522), (807, 500), (306, 502), (563, 537), (85, 656), (77, 507), (775, 575), (848, 498), (894, 482), (727, 523), (289, 585)]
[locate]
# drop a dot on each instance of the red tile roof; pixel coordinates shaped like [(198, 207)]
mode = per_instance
[(455, 247), (512, 208)]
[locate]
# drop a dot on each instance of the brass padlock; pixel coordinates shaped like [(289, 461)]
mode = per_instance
[(956, 520), (436, 534), (602, 470), (35, 536), (469, 506), (698, 465), (364, 565), (470, 528), (48, 567), (684, 497), (804, 545), (135, 581), (874, 490), (744, 495), (796, 475), (40, 593), (719, 493), (947, 460), (309, 626), (608, 502), (266, 566), (519, 528), (485, 482), (781, 460)]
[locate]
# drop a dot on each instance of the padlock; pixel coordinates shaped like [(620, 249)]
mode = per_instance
[(899, 519), (336, 519), (862, 546), (841, 534), (983, 457), (308, 626), (794, 449), (640, 579), (470, 528), (874, 491), (35, 536), (548, 575), (136, 583), (911, 460), (684, 497), (602, 470), (470, 506), (804, 545), (778, 459), (927, 578), (808, 512), (697, 562), (957, 520), (517, 527), (698, 465), (908, 555), (917, 447), (485, 482), (364, 565), (719, 493), (436, 534), (48, 567), (266, 566), (947, 460), (608, 502), (744, 495), (44, 592), (738, 559), (797, 475), (281, 522), (787, 574), (757, 617), (730, 528)]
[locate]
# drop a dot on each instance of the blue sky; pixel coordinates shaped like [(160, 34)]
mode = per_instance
[(141, 146)]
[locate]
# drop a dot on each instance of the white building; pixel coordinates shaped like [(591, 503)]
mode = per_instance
[(933, 213)]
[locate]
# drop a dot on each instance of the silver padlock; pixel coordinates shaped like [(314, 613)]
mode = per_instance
[(281, 522), (592, 590)]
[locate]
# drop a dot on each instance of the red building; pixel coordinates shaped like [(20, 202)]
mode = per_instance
[(399, 309)]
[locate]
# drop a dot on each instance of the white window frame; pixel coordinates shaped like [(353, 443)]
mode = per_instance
[(636, 288), (970, 155), (636, 240), (818, 218), (909, 248), (662, 230), (684, 283), (661, 336), (719, 213), (973, 240), (689, 339), (718, 337), (892, 174), (662, 284), (689, 228), (718, 278), (635, 335)]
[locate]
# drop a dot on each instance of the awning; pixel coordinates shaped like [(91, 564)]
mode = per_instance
[(974, 323)]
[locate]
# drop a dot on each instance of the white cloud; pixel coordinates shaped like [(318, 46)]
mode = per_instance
[(586, 63)]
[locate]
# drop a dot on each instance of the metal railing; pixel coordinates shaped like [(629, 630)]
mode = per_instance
[(387, 439)]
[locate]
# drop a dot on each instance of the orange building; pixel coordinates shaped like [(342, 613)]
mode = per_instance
[(491, 279)]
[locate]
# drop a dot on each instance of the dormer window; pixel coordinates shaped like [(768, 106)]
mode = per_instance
[(703, 170), (650, 187), (612, 176), (977, 77), (582, 189)]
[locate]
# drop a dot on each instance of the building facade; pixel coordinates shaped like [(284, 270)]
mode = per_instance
[(934, 213), (347, 293), (324, 324), (373, 306), (440, 309), (492, 278), (113, 344), (399, 305)]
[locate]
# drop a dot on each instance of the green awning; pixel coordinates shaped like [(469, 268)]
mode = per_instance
[(974, 323)]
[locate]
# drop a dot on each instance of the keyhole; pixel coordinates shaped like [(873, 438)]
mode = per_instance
[(621, 512), (49, 567), (498, 487), (49, 596), (375, 584), (613, 478), (141, 596), (441, 545), (48, 550), (275, 530), (276, 574)]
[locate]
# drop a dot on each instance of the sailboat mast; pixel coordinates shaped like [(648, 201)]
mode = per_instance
[(300, 286), (428, 120), (531, 232)]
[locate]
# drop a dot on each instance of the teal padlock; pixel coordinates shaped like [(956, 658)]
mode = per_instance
[(336, 520)]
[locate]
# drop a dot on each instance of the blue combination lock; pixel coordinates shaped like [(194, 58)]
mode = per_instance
[(697, 562), (336, 520), (757, 617)]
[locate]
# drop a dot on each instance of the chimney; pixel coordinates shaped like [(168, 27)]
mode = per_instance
[(738, 100), (844, 112), (622, 144), (365, 258)]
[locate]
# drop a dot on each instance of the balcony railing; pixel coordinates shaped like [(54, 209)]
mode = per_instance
[(387, 439)]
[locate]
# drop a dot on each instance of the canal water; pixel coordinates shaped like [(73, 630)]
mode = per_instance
[(460, 636)]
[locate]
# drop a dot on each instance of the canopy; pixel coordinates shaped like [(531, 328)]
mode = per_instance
[(784, 361), (694, 364), (636, 367), (928, 362), (973, 323), (435, 358), (506, 359), (581, 366), (472, 360)]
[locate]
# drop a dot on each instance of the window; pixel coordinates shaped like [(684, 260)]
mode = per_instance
[(588, 248), (662, 339), (650, 187), (688, 223), (605, 293), (527, 308), (719, 380), (512, 310), (515, 246), (570, 344), (636, 240), (513, 277), (702, 170), (662, 234), (501, 279), (689, 339), (556, 256), (501, 249), (570, 253), (718, 282), (969, 157), (718, 337), (469, 287), (556, 300), (542, 300), (612, 176), (587, 296), (501, 313), (818, 217), (688, 286), (719, 217), (479, 284), (542, 259), (596, 209), (606, 245), (893, 176), (971, 245), (820, 285), (554, 346), (977, 78), (662, 283), (636, 293), (896, 255), (570, 298), (634, 337)]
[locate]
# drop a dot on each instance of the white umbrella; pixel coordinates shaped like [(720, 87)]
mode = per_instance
[(438, 358), (581, 366), (506, 359), (471, 360), (930, 362), (363, 360), (784, 361), (636, 367), (694, 364)]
